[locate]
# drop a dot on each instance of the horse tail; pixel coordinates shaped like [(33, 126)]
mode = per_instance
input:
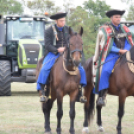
[(91, 111), (89, 106), (39, 66)]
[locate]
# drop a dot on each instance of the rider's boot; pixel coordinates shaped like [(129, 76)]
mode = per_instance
[(81, 98), (101, 99), (43, 97)]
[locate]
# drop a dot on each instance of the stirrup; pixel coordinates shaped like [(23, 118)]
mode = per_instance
[(101, 101), (83, 99), (43, 98)]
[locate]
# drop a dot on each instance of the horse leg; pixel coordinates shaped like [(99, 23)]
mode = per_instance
[(120, 112), (72, 111), (88, 109), (46, 110), (99, 121), (59, 111), (85, 124)]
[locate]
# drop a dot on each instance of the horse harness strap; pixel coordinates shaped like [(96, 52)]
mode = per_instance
[(130, 63), (75, 72), (55, 35)]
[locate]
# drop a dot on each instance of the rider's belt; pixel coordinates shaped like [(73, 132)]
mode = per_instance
[(120, 35)]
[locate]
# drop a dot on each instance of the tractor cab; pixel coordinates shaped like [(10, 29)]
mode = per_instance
[(21, 45)]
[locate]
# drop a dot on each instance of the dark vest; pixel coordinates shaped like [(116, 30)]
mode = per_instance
[(61, 42), (120, 42)]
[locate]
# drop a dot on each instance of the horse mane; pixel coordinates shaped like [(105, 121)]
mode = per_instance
[(68, 56), (132, 53), (68, 52)]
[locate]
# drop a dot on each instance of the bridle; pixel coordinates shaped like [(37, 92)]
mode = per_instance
[(70, 59), (75, 50)]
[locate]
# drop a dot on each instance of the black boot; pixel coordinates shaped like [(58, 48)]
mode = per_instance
[(81, 98), (101, 99), (43, 97)]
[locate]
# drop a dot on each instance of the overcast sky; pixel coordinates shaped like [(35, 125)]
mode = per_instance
[(116, 4)]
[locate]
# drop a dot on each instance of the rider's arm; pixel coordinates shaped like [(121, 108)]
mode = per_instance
[(49, 41), (115, 49)]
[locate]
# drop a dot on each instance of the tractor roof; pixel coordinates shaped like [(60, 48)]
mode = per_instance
[(128, 23)]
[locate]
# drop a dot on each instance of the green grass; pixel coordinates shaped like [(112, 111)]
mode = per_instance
[(21, 114)]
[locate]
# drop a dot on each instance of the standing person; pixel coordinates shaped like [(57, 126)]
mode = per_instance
[(56, 40), (113, 40)]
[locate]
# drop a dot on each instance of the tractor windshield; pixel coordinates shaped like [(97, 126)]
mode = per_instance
[(17, 29)]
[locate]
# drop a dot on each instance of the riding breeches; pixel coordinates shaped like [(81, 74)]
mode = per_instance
[(46, 68)]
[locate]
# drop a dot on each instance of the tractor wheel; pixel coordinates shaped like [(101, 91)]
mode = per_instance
[(5, 78)]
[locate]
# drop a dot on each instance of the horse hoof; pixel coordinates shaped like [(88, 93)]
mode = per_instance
[(47, 133), (85, 130), (119, 132), (101, 129)]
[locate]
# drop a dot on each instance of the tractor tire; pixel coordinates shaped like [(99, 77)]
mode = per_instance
[(5, 78)]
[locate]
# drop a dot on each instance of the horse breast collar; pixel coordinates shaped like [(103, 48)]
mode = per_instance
[(75, 72)]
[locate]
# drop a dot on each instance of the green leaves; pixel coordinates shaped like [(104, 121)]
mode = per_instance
[(130, 15), (91, 16), (10, 7), (39, 7)]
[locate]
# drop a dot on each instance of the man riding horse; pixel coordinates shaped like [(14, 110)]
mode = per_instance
[(113, 40), (56, 40)]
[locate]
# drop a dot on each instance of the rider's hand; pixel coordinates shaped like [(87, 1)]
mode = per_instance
[(122, 51), (61, 49)]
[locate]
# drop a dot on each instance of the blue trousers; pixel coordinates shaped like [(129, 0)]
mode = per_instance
[(108, 67), (46, 68)]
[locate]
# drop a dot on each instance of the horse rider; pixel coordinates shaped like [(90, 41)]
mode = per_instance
[(113, 40), (56, 39)]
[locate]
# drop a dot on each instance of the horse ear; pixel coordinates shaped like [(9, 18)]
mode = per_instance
[(81, 31), (70, 31)]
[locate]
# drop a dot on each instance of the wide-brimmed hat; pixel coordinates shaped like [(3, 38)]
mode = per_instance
[(112, 12), (58, 16)]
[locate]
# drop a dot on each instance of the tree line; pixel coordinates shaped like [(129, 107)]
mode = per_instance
[(90, 15)]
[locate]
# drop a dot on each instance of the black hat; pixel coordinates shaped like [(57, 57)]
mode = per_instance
[(58, 16), (110, 13)]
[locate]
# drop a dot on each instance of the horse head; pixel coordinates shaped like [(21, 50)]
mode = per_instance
[(75, 46)]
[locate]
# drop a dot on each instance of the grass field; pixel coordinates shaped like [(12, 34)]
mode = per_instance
[(21, 114)]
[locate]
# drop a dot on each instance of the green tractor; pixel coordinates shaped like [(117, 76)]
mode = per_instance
[(21, 45)]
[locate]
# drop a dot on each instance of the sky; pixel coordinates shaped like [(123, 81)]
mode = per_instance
[(116, 5)]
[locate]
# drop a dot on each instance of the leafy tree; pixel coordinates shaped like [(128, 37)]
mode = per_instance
[(97, 9), (40, 6), (10, 7), (130, 15), (90, 17)]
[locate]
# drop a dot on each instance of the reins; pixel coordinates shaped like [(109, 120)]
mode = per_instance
[(108, 61), (128, 60)]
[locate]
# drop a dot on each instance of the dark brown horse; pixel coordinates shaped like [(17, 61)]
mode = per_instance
[(121, 84), (62, 83)]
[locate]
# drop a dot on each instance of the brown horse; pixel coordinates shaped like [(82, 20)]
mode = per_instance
[(62, 83), (121, 84)]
